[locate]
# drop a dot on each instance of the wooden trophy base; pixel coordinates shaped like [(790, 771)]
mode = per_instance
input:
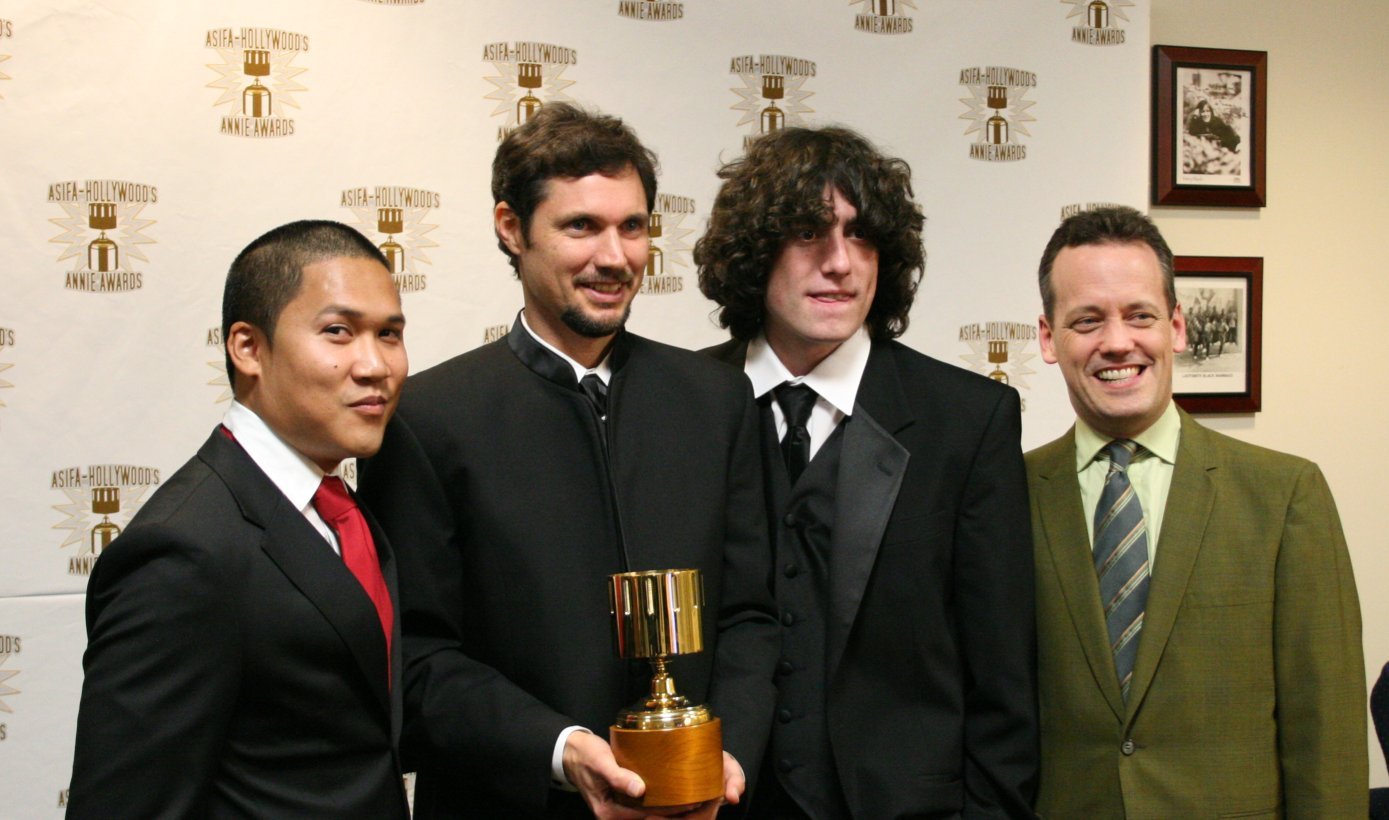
[(681, 766)]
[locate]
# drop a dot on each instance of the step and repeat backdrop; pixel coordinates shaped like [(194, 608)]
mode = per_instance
[(146, 142)]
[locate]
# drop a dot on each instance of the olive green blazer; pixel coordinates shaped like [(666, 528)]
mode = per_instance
[(1248, 697)]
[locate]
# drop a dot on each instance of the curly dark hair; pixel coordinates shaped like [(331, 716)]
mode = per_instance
[(1117, 225), (777, 190), (562, 140)]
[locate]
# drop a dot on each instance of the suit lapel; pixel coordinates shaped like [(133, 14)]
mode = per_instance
[(1066, 545), (309, 563), (1189, 503), (872, 464)]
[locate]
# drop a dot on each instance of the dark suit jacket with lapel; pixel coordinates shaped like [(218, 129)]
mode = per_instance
[(234, 666), (931, 654), (1248, 694), (508, 515)]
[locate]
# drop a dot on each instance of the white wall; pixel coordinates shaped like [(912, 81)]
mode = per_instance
[(1324, 387)]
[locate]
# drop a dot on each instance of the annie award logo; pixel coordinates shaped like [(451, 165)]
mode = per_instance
[(773, 92), (528, 76), (101, 500), (1100, 21), (654, 10), (397, 214), (212, 340), (1068, 211), (6, 32), (10, 645), (6, 342), (668, 245), (994, 93), (103, 232), (1001, 351), (883, 16), (251, 58)]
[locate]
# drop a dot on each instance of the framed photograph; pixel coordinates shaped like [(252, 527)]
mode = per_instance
[(1210, 112), (1222, 302)]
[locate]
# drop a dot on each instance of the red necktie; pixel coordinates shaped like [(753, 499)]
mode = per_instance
[(358, 550)]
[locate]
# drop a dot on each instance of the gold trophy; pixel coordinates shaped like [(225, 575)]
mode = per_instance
[(773, 89), (655, 259), (677, 748), (390, 221), (106, 502), (102, 253), (997, 125), (255, 100), (998, 355)]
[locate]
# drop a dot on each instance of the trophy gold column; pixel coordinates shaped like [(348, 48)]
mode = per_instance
[(255, 100), (676, 747), (390, 221), (997, 125), (655, 259), (773, 89), (106, 502), (102, 253)]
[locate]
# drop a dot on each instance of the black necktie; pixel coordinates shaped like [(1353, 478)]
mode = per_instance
[(597, 392), (796, 402)]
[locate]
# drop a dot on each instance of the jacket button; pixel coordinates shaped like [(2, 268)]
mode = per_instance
[(789, 520), (791, 571), (784, 715), (784, 668), (1128, 746), (787, 619), (785, 765)]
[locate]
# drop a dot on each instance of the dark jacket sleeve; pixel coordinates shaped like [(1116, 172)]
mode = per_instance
[(995, 612), (458, 711), (161, 678)]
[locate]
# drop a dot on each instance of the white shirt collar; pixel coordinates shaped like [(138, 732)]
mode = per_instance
[(836, 379), (295, 476), (604, 369)]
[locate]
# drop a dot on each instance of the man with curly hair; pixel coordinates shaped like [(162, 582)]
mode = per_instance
[(896, 495)]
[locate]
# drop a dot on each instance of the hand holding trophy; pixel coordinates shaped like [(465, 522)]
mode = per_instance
[(676, 747)]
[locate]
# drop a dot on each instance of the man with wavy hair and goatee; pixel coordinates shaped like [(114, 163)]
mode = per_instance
[(896, 495)]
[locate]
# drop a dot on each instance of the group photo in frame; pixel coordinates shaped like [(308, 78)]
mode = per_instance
[(1209, 126), (1222, 301)]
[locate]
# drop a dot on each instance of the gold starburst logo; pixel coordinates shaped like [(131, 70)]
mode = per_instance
[(258, 79), (998, 111), (773, 92), (529, 75), (1000, 350), (397, 215), (883, 16), (101, 500), (1099, 21)]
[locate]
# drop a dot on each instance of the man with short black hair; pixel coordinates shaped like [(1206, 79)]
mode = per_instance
[(243, 656), (519, 476), (1199, 630)]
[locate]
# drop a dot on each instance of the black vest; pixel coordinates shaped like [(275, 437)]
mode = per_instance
[(802, 521)]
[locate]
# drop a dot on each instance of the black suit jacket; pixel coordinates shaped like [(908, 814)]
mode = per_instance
[(234, 666), (508, 514), (931, 648)]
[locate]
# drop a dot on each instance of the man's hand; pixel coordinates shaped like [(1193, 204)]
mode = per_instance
[(590, 767)]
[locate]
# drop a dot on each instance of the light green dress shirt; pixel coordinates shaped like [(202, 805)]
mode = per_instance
[(1150, 471)]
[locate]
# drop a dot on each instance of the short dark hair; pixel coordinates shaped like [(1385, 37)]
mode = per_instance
[(778, 189), (1110, 225), (561, 140), (267, 274)]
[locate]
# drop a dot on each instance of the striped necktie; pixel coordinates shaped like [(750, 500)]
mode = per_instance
[(1121, 559)]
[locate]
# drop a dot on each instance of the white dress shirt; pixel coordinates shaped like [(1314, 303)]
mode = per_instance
[(835, 381), (295, 476)]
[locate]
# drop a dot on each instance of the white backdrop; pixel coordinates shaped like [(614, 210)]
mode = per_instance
[(146, 142)]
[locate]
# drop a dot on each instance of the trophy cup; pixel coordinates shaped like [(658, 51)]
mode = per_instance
[(677, 748)]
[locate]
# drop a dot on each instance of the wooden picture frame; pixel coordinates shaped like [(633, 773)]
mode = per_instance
[(1210, 127), (1222, 302)]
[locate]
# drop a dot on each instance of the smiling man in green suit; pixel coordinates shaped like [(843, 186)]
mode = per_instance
[(1199, 630)]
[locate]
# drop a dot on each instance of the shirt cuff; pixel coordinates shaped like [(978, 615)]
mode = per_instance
[(558, 780)]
